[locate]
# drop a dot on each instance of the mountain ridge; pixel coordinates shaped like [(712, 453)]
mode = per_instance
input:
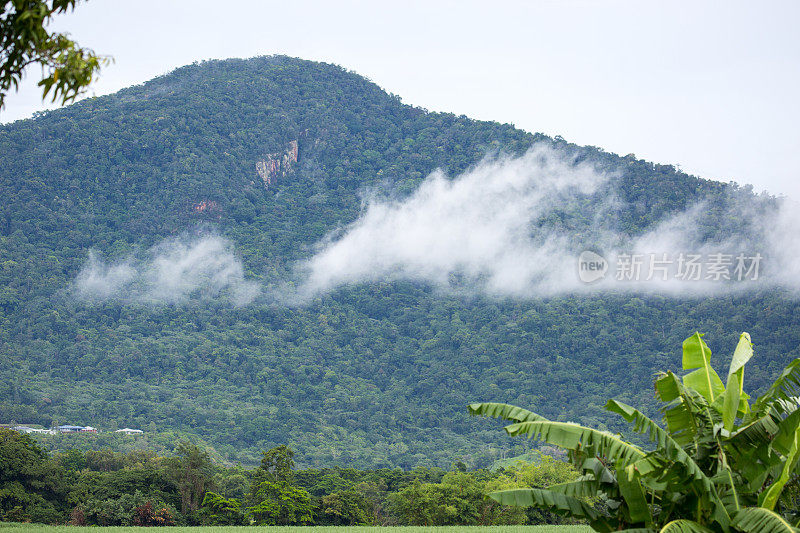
[(374, 374)]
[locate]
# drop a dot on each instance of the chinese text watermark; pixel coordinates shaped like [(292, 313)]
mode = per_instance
[(716, 266)]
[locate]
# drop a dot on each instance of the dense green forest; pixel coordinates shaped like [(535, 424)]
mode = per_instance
[(108, 488), (371, 375)]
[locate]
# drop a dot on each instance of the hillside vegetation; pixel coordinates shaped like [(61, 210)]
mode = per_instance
[(273, 154)]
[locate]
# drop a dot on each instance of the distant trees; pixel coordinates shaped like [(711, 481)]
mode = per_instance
[(136, 508), (277, 465), (542, 473), (720, 464), (148, 515), (108, 489), (459, 499), (192, 472), (32, 487), (275, 499), (349, 507), (100, 487), (281, 504), (221, 511)]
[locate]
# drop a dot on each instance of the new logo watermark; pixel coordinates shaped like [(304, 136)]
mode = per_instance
[(591, 267)]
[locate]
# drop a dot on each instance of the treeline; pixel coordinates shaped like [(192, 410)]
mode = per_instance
[(108, 488)]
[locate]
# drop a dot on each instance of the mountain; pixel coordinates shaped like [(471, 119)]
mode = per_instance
[(144, 234)]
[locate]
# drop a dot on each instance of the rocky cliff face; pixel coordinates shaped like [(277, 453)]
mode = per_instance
[(275, 166)]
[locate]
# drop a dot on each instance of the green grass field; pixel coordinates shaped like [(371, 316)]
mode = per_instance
[(37, 528)]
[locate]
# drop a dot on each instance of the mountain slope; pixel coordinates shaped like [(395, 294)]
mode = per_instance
[(273, 154)]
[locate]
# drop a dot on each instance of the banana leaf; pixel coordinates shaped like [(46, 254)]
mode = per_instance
[(786, 387), (760, 520), (735, 401), (697, 355), (504, 411), (684, 526), (787, 442), (576, 437), (555, 502)]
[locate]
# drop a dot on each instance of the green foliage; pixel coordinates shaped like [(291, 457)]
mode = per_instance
[(72, 460), (274, 498), (281, 504), (191, 472), (219, 511), (759, 520), (38, 528), (278, 464), (25, 40), (113, 497), (459, 498), (142, 489), (543, 472), (719, 466), (32, 486), (344, 508), (134, 508)]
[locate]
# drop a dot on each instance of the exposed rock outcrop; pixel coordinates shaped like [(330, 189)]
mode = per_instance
[(205, 205), (207, 208), (275, 166)]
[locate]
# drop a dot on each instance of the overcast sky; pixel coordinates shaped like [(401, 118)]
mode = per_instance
[(709, 86)]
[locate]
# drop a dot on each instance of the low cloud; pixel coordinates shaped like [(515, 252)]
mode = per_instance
[(515, 227), (511, 227), (172, 272), (473, 232)]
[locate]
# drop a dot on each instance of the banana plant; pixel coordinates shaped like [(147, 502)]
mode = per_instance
[(717, 464)]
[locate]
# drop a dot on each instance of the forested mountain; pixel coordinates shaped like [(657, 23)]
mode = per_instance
[(272, 154)]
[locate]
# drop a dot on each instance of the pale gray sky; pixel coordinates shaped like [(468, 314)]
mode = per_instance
[(709, 86)]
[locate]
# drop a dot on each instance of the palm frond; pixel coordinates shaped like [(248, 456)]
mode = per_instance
[(758, 432), (678, 412)]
